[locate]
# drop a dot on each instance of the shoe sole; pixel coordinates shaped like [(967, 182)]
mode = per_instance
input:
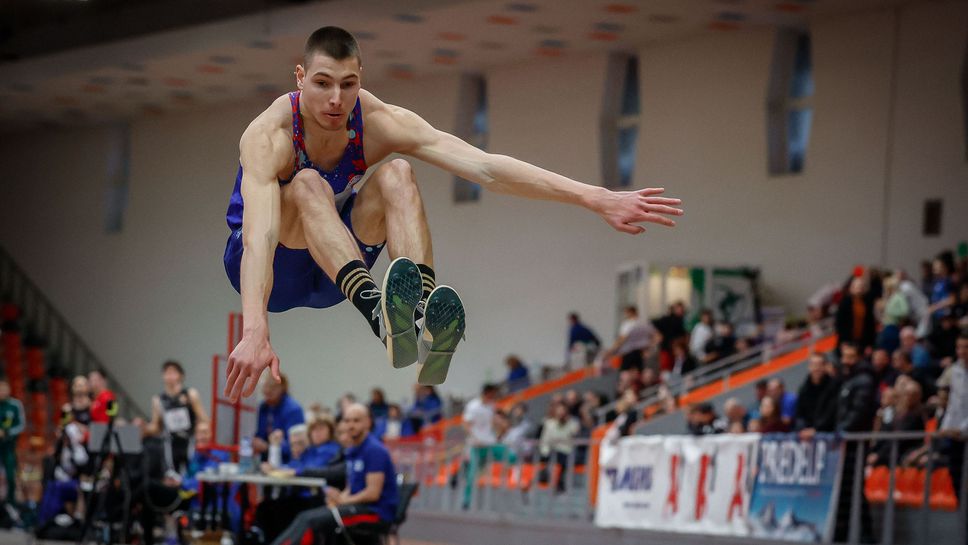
[(402, 287), (443, 329)]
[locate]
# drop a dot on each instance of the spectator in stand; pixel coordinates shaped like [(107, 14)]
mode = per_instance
[(884, 373), (904, 366), (701, 334), (893, 310), (960, 307), (520, 433), (624, 416), (855, 321), (379, 408), (557, 439), (811, 391), (884, 418), (916, 352), (572, 402), (342, 403), (786, 402), (518, 378), (917, 301), (941, 287), (770, 420), (927, 277), (102, 396), (12, 421), (322, 439), (954, 425), (630, 379), (427, 409), (277, 412), (671, 327), (723, 344), (80, 405), (635, 338), (683, 362), (734, 416), (943, 338), (759, 392), (702, 420), (590, 404), (391, 427), (908, 416), (581, 339)]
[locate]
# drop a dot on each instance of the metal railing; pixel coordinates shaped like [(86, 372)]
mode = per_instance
[(718, 370), (507, 482), (44, 322)]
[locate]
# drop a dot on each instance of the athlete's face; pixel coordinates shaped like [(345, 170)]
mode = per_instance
[(329, 89), (171, 377)]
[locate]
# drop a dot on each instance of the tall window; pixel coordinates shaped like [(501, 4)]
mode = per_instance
[(471, 126), (620, 120), (790, 106), (117, 173), (964, 96)]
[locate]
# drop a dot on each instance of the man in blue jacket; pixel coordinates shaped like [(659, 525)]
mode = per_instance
[(278, 411)]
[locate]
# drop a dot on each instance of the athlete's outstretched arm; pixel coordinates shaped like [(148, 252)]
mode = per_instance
[(405, 132), (261, 158)]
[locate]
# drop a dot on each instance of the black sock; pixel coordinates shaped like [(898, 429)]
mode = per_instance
[(354, 280), (428, 279)]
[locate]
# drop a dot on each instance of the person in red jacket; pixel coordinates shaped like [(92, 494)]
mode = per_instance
[(102, 396)]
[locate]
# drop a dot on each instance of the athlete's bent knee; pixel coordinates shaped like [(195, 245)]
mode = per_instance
[(307, 185), (399, 181)]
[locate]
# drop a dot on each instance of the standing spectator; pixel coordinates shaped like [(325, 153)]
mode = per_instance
[(884, 373), (855, 413), (102, 396), (941, 289), (895, 311), (786, 402), (378, 404), (12, 422), (671, 327), (723, 344), (557, 439), (810, 392), (427, 409), (701, 334), (917, 301), (174, 414), (916, 352), (683, 362), (855, 321), (521, 431), (80, 405), (518, 378), (478, 417), (635, 338), (954, 425), (278, 411), (581, 339)]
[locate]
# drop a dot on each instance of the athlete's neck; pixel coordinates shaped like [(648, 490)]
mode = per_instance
[(172, 390)]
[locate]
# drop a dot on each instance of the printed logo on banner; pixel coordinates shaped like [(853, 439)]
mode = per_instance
[(796, 488)]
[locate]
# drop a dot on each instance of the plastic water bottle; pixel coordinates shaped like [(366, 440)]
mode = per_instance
[(246, 463), (275, 455)]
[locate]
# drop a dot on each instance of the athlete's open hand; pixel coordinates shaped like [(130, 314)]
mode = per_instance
[(246, 363), (624, 210)]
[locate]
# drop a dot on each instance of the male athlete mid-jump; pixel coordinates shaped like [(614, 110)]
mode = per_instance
[(306, 237)]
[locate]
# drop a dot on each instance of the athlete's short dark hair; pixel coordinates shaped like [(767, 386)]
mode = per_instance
[(172, 364), (333, 42)]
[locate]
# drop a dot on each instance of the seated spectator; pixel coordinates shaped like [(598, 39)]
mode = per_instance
[(734, 418), (624, 416), (518, 378), (371, 490), (722, 345), (702, 420), (785, 401), (916, 352), (277, 412), (520, 433), (378, 404), (581, 341), (427, 409), (701, 334), (629, 379), (590, 404), (391, 427), (683, 362), (770, 420), (759, 392), (322, 440), (907, 417), (884, 373), (810, 392), (557, 439), (884, 418), (923, 376)]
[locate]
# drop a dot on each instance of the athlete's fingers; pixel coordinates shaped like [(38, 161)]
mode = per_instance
[(651, 191), (655, 218), (662, 200), (238, 384), (231, 379), (274, 368), (629, 228), (662, 209), (253, 381)]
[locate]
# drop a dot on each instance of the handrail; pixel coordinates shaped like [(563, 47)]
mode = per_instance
[(43, 318), (719, 369)]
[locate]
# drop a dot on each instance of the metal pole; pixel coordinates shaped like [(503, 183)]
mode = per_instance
[(855, 492), (926, 499), (888, 528)]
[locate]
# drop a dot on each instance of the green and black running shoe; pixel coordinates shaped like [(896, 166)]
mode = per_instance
[(402, 289), (442, 330)]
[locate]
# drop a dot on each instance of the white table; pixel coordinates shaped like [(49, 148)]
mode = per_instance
[(258, 478)]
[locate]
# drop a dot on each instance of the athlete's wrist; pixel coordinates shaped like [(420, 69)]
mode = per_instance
[(592, 198)]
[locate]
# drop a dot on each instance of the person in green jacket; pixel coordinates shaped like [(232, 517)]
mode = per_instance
[(11, 424)]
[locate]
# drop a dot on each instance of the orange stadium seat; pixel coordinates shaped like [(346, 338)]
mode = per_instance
[(909, 491), (942, 491), (876, 484)]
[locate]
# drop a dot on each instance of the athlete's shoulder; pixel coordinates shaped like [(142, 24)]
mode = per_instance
[(269, 135)]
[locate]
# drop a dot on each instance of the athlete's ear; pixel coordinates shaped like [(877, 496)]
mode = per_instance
[(300, 74)]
